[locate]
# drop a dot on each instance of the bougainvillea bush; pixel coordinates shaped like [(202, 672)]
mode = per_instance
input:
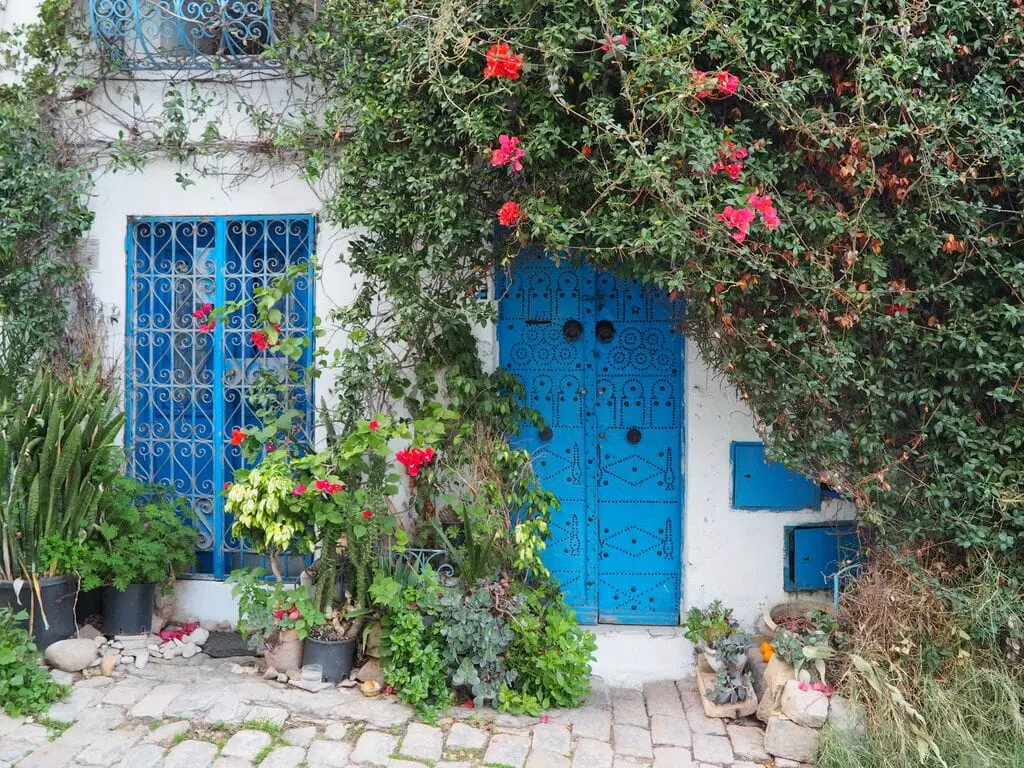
[(834, 189)]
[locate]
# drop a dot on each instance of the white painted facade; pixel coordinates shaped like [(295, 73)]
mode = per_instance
[(732, 555)]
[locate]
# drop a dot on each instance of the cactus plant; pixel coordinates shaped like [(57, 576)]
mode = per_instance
[(56, 444)]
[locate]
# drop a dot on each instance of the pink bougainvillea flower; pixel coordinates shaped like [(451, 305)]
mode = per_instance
[(738, 219), (700, 80), (803, 686), (367, 514), (508, 152), (374, 424), (502, 63), (509, 214), (181, 633), (237, 436), (322, 485), (207, 327), (763, 205), (544, 719), (614, 40), (298, 490), (335, 488)]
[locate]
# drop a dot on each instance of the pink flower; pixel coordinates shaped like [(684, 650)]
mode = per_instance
[(802, 685), (763, 205), (727, 83), (207, 327), (298, 490), (374, 424), (507, 153), (544, 719), (614, 40), (738, 219), (322, 485)]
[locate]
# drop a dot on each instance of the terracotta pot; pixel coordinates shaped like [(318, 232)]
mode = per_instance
[(791, 610), (284, 651)]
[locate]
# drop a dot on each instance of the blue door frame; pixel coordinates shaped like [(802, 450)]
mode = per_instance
[(601, 362), (186, 389)]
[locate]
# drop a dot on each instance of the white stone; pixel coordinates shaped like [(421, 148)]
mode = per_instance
[(71, 655), (374, 747), (141, 659), (127, 659), (846, 716), (61, 677), (89, 632), (784, 738), (199, 636), (807, 708), (747, 742), (189, 650), (246, 744)]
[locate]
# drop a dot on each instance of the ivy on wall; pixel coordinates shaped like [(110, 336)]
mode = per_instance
[(835, 189)]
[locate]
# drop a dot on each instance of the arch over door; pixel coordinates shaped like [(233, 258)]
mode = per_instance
[(609, 388)]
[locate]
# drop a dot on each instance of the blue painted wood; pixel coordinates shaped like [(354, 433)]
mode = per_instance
[(187, 389), (758, 483), (815, 552), (614, 409)]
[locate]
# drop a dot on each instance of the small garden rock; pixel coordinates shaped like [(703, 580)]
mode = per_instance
[(71, 655), (808, 708), (784, 738)]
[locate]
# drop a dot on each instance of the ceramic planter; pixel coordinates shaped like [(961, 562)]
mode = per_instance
[(283, 651)]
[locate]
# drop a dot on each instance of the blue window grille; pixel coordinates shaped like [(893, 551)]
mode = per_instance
[(188, 34), (815, 553), (186, 389), (758, 483)]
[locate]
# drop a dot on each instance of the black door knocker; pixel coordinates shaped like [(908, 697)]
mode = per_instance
[(572, 330), (546, 434), (605, 331), (633, 436)]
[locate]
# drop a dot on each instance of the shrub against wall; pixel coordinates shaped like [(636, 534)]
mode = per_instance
[(834, 188)]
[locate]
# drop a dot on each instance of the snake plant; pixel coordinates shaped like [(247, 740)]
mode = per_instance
[(56, 442)]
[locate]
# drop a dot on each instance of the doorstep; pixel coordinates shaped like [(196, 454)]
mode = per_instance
[(632, 655)]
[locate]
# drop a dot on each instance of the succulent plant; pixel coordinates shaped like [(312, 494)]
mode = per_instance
[(729, 688)]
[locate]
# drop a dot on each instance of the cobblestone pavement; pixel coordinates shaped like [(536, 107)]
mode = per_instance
[(219, 714)]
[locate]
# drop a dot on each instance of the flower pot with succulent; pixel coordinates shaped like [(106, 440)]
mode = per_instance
[(729, 653), (56, 455)]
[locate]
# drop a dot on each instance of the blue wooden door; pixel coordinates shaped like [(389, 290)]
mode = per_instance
[(600, 360), (186, 389)]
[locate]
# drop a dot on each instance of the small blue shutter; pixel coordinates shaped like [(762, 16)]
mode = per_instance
[(758, 483), (815, 552)]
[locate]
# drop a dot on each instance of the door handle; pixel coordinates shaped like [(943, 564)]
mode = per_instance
[(633, 436), (572, 330), (605, 331)]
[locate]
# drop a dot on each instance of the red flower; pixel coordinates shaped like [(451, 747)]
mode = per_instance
[(335, 487), (586, 150), (509, 214), (237, 436), (207, 327), (894, 309), (259, 340), (367, 514), (227, 486), (614, 40), (389, 690), (278, 614), (322, 485), (374, 424), (294, 615), (298, 490), (203, 311), (469, 704), (763, 204), (507, 153), (502, 63), (727, 83)]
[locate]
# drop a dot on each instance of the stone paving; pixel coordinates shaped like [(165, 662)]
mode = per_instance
[(222, 714)]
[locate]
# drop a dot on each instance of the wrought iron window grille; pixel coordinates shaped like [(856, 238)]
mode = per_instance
[(183, 34)]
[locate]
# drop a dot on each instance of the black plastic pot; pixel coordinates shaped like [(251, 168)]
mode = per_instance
[(58, 595), (129, 612), (90, 603), (335, 656)]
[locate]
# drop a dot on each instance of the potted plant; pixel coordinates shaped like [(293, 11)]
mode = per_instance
[(56, 448), (274, 617), (705, 626), (143, 541), (729, 653)]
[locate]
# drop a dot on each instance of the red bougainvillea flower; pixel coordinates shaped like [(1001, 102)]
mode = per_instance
[(586, 150), (203, 311), (367, 514), (738, 219), (237, 436), (895, 309), (414, 458), (509, 214), (322, 485), (730, 160), (207, 327), (227, 486), (502, 63), (614, 40), (298, 490), (259, 340), (328, 487), (374, 424), (727, 83), (763, 205), (508, 152)]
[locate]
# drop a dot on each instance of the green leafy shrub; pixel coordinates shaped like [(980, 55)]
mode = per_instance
[(266, 608), (705, 626), (26, 687), (411, 650), (476, 634), (144, 537), (550, 654)]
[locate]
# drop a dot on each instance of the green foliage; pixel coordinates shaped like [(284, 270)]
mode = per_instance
[(549, 653), (54, 460), (807, 652), (729, 688), (266, 608), (26, 687), (877, 331), (144, 537), (411, 652), (705, 626), (476, 634)]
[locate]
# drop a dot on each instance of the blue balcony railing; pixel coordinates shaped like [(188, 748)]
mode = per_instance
[(183, 34)]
